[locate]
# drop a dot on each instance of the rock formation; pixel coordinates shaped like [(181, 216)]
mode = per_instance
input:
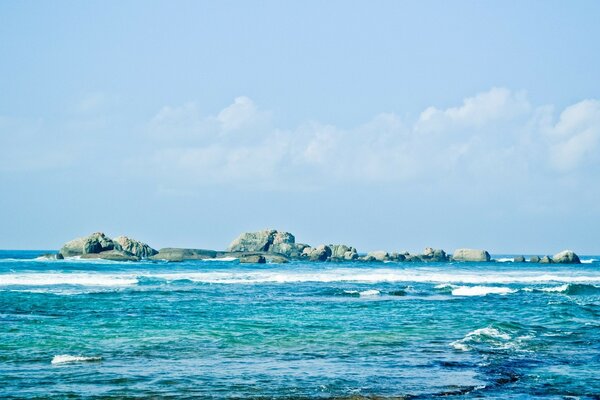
[(98, 245), (566, 257), (472, 255)]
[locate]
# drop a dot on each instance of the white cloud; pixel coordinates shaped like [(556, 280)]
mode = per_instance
[(495, 137)]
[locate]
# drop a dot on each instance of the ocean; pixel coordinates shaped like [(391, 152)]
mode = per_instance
[(220, 329)]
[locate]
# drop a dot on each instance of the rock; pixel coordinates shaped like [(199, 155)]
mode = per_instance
[(252, 259), (472, 255), (546, 260), (534, 259), (435, 255), (378, 256), (397, 257), (319, 253), (97, 243), (135, 247), (112, 255), (175, 254), (519, 259), (51, 256), (261, 241), (276, 258), (566, 257), (343, 252)]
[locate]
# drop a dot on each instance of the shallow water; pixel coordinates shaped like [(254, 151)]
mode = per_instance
[(222, 329)]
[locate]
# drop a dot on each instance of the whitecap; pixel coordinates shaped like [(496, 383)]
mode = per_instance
[(480, 290), (68, 359), (56, 278), (588, 261), (372, 292), (561, 288), (506, 259), (223, 259), (478, 336)]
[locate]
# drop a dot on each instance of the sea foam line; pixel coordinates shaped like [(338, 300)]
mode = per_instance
[(69, 359)]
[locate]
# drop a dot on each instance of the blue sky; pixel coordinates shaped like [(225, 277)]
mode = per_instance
[(393, 125)]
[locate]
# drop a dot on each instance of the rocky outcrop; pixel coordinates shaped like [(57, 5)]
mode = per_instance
[(566, 257), (472, 255), (111, 255), (379, 255), (519, 259), (176, 255), (135, 247), (546, 260), (341, 252), (319, 253), (534, 259), (270, 240), (434, 255), (98, 245), (253, 259)]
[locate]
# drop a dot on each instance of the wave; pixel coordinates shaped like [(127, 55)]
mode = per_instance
[(488, 335), (589, 261), (222, 259), (69, 359), (57, 278), (272, 276), (506, 259), (573, 289), (481, 290)]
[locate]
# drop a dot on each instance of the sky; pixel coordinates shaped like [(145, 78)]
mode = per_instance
[(388, 125)]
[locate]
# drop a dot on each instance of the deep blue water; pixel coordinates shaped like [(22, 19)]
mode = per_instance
[(221, 329)]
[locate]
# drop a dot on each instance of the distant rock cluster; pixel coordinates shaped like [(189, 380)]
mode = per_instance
[(275, 247)]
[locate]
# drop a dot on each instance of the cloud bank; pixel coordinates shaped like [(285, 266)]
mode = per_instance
[(496, 136)]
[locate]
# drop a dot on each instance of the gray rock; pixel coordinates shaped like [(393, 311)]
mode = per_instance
[(566, 257), (546, 260), (175, 254), (135, 247), (261, 240), (472, 255), (397, 257), (94, 243), (534, 259), (519, 259), (435, 255), (252, 259), (378, 256), (319, 253), (343, 252), (97, 243), (112, 255)]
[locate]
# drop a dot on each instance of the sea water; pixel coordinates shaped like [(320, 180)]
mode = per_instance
[(79, 328)]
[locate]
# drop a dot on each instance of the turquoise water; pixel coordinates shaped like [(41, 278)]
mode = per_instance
[(221, 329)]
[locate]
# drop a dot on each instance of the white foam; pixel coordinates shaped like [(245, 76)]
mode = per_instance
[(56, 278), (223, 259), (507, 259), (589, 261), (479, 335), (480, 290), (67, 359), (561, 288), (372, 292)]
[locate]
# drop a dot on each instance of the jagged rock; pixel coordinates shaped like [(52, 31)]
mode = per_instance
[(436, 255), (276, 258), (546, 260), (398, 257), (175, 254), (261, 240), (97, 243), (378, 256), (135, 247), (112, 255), (343, 252), (319, 253), (252, 259), (472, 255), (412, 258), (534, 259), (566, 257), (519, 259)]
